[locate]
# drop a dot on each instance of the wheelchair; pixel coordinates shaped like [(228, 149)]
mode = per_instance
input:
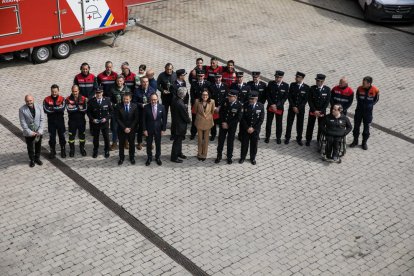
[(323, 146)]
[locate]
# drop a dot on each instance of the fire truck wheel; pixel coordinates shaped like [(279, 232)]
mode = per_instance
[(62, 50), (41, 54)]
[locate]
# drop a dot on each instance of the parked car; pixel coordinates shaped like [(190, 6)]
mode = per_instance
[(388, 10)]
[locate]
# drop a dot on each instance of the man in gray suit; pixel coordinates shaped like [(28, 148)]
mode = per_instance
[(31, 120)]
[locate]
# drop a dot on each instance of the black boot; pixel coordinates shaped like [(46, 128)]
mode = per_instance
[(63, 151), (71, 149), (364, 145), (52, 153), (82, 148), (354, 143)]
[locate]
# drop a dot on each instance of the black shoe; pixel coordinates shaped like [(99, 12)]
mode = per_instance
[(354, 143), (71, 153), (106, 154), (158, 161), (253, 162), (94, 154), (52, 153), (32, 163), (192, 137), (172, 138), (287, 141), (300, 143), (63, 151), (267, 140), (120, 162), (38, 162), (203, 159), (364, 146), (132, 160), (278, 141), (307, 143), (199, 158), (177, 161), (229, 161), (218, 159), (148, 162), (182, 156), (241, 161), (212, 138)]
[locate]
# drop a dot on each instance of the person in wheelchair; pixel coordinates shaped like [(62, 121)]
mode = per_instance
[(335, 127)]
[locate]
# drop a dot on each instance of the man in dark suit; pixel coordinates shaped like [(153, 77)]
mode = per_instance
[(127, 119), (154, 125), (181, 119)]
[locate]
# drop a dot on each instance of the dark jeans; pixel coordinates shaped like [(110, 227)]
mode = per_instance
[(246, 140), (33, 148), (214, 128), (150, 138), (59, 127), (130, 137), (105, 134), (269, 121), (231, 134), (177, 147), (299, 123)]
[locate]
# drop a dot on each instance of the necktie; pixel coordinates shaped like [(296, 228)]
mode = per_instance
[(99, 101), (127, 108), (154, 112)]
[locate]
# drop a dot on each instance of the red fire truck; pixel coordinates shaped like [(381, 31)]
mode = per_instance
[(38, 29)]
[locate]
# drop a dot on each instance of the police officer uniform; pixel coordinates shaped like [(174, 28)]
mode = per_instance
[(277, 94), (97, 111), (366, 99), (298, 97), (242, 88), (54, 107), (319, 98), (76, 112), (253, 117), (259, 86), (196, 90), (218, 92), (230, 113)]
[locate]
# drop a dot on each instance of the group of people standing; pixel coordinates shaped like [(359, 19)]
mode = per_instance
[(128, 105)]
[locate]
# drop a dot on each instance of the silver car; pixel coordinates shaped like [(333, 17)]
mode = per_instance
[(388, 10)]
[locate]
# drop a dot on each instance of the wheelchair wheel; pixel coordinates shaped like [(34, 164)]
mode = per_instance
[(342, 148)]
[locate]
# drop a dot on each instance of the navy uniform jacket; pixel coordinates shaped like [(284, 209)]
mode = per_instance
[(261, 88), (319, 99), (277, 94), (127, 120), (154, 125), (231, 114), (196, 90), (100, 111), (244, 91), (298, 96), (218, 94), (252, 117)]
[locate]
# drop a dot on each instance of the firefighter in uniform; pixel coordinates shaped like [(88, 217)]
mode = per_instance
[(129, 76), (342, 94), (99, 112), (86, 81), (367, 96), (257, 85), (218, 92), (318, 99), (195, 94), (277, 94), (116, 93), (107, 78), (76, 105), (54, 107), (250, 124), (230, 115), (297, 97), (212, 70), (229, 74)]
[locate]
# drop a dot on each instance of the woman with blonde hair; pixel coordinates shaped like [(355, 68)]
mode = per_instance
[(204, 109)]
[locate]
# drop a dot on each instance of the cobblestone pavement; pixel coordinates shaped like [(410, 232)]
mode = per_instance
[(291, 214)]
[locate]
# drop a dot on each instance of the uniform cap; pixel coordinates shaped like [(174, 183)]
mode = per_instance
[(239, 74), (233, 92), (99, 89), (181, 72), (255, 73), (320, 77), (279, 73), (254, 94), (300, 74), (200, 73)]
